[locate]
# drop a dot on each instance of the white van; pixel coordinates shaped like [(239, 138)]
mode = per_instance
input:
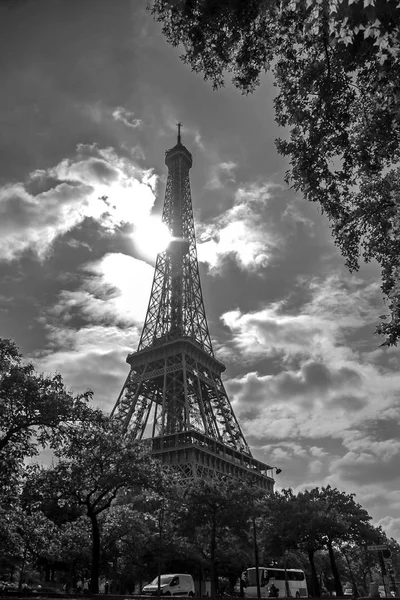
[(175, 584)]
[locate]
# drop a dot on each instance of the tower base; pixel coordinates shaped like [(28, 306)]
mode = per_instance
[(197, 456)]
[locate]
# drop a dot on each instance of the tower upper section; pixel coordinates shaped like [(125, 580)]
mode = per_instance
[(178, 153), (176, 308)]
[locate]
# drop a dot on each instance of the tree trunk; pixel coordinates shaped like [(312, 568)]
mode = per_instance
[(94, 580), (335, 572), (314, 577), (22, 570), (256, 558), (286, 576), (353, 581), (213, 544)]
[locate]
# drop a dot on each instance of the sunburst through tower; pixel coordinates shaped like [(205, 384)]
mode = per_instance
[(174, 394)]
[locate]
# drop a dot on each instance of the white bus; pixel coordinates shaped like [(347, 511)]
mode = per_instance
[(271, 576)]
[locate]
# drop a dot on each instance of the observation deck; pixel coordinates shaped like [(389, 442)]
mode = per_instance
[(194, 453)]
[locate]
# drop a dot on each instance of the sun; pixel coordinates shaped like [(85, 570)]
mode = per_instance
[(152, 236)]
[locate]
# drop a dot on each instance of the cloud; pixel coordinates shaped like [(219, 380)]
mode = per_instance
[(269, 331), (391, 526), (242, 232), (320, 394), (290, 406), (221, 174), (293, 214), (96, 184), (113, 291), (92, 357), (335, 306), (110, 306), (28, 221), (190, 134), (126, 117), (378, 462), (168, 117)]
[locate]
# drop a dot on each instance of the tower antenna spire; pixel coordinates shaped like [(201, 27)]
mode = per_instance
[(179, 132)]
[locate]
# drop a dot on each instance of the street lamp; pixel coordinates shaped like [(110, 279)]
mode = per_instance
[(271, 471)]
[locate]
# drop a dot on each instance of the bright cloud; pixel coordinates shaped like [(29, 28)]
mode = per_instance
[(28, 221), (97, 183), (323, 389), (221, 173), (111, 299), (92, 357), (113, 290), (242, 232), (126, 117), (336, 307), (391, 526)]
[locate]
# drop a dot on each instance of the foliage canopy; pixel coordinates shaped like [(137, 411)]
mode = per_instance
[(336, 67), (35, 411), (96, 463)]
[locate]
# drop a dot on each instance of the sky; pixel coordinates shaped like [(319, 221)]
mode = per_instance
[(91, 94)]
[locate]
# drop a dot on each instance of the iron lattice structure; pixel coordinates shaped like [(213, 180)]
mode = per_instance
[(174, 393)]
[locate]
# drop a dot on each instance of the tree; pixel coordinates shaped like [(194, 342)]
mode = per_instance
[(166, 542), (336, 66), (357, 556), (310, 528), (278, 519), (214, 511), (341, 520), (75, 549), (10, 540), (96, 462), (34, 411), (280, 527), (141, 534), (39, 539), (127, 539)]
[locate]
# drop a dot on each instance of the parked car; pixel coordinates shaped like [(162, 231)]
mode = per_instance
[(175, 584)]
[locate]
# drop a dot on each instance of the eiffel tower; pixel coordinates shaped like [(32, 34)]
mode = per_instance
[(174, 394)]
